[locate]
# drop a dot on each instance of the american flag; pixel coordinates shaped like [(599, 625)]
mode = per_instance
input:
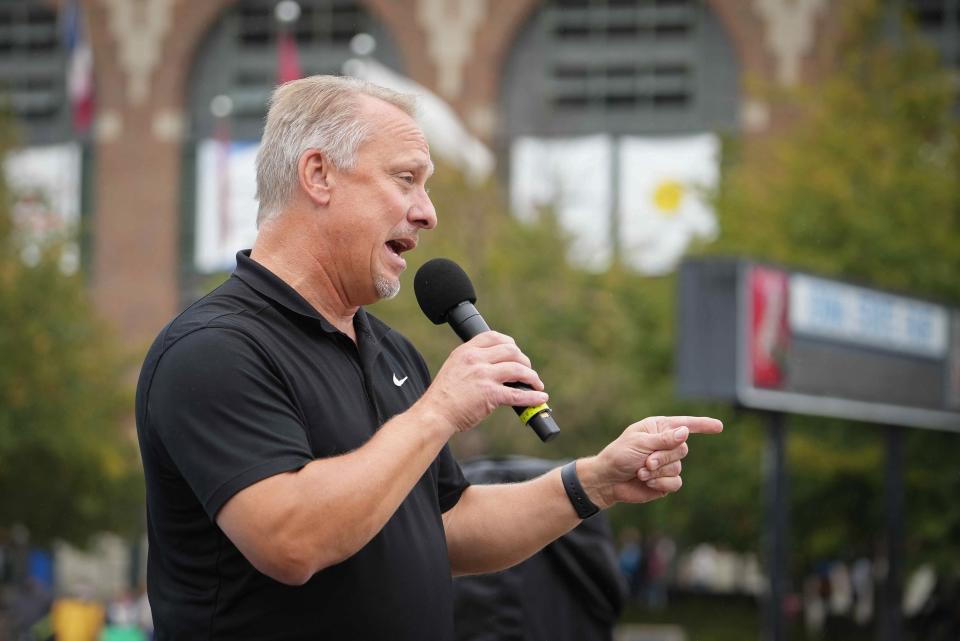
[(79, 68)]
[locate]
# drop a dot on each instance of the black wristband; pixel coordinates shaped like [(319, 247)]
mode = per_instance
[(571, 483)]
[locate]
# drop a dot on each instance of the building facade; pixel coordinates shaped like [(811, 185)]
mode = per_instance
[(509, 68)]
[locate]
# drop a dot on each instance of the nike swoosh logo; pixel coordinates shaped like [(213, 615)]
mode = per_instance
[(399, 381)]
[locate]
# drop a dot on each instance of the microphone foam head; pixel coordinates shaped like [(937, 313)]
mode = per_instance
[(441, 285)]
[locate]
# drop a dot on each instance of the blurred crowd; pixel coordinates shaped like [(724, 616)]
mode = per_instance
[(838, 596), (36, 615), (72, 594), (652, 566), (835, 598)]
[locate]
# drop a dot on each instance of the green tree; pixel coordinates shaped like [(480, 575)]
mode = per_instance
[(68, 462), (602, 343), (863, 187), (584, 332)]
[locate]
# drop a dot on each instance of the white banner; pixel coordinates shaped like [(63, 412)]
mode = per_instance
[(571, 176), (663, 204), (45, 185), (226, 211)]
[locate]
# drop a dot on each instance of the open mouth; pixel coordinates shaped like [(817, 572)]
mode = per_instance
[(400, 245)]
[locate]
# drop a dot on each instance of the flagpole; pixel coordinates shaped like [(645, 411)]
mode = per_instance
[(614, 201), (222, 108), (287, 12)]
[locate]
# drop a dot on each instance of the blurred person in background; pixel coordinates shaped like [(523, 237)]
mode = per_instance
[(659, 555), (632, 561), (29, 605), (78, 617), (299, 482), (123, 619)]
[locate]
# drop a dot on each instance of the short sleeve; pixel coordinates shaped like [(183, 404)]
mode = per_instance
[(223, 415), (450, 479)]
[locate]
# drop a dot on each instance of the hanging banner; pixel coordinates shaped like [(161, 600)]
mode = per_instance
[(663, 204), (226, 209), (571, 176), (45, 186)]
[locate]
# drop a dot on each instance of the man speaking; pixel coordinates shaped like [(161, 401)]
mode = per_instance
[(299, 483)]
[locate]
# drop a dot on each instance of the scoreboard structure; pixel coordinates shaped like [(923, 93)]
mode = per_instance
[(773, 339), (787, 342)]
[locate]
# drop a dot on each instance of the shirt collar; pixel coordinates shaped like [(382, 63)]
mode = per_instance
[(276, 289)]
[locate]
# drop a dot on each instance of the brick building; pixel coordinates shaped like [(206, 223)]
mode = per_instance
[(508, 67)]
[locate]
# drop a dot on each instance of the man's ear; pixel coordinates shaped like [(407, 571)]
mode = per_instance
[(315, 174)]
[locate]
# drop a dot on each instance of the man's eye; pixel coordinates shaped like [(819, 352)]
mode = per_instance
[(407, 178)]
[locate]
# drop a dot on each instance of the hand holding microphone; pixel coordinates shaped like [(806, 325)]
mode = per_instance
[(446, 295)]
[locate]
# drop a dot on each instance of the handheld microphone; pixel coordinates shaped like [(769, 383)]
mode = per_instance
[(446, 295)]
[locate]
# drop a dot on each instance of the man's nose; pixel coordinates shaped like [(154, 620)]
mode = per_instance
[(423, 214)]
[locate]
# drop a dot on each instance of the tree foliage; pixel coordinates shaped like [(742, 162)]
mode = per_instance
[(602, 343), (68, 464), (863, 187), (585, 332)]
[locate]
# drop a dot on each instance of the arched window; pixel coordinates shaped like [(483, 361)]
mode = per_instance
[(621, 67), (47, 169), (609, 112), (239, 59), (32, 71)]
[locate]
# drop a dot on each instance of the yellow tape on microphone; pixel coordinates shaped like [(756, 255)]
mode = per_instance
[(530, 412)]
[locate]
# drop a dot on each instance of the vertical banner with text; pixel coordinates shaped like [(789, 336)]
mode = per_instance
[(226, 213)]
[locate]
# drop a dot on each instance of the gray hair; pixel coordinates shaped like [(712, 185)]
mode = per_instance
[(319, 112)]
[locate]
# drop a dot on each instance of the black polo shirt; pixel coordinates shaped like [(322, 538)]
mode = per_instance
[(249, 382)]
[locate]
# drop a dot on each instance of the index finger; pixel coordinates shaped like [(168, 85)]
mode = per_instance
[(697, 424), (491, 338)]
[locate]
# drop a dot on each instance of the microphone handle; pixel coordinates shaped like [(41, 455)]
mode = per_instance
[(467, 322)]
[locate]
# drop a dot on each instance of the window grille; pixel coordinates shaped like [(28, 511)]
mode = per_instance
[(32, 70), (239, 57), (621, 66)]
